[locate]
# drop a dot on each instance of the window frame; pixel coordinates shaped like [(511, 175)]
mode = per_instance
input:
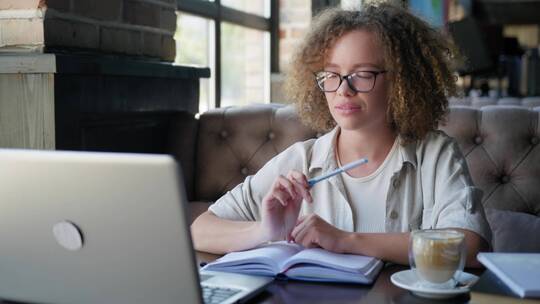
[(220, 13), (319, 5)]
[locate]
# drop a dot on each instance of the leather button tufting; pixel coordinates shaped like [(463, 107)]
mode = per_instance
[(478, 140), (535, 140), (223, 134), (244, 171), (505, 179), (271, 135)]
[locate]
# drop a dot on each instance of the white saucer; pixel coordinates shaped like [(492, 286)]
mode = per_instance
[(407, 279)]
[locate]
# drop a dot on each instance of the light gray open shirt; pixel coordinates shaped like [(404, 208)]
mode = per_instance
[(431, 189)]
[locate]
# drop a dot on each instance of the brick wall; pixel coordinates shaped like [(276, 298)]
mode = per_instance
[(294, 20), (131, 27)]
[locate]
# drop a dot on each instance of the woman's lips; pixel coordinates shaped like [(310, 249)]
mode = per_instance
[(348, 108)]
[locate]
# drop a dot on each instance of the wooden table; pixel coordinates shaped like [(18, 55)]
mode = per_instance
[(488, 290), (382, 291)]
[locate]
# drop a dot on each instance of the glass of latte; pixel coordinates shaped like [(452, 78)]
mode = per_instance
[(437, 256)]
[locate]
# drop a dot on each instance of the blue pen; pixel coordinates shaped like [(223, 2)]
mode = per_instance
[(348, 166)]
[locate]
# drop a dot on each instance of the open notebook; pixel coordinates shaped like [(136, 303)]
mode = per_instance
[(293, 261), (519, 271)]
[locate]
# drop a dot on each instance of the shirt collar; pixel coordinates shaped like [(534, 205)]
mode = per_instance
[(408, 152), (324, 152)]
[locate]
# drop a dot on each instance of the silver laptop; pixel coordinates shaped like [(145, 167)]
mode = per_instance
[(82, 227)]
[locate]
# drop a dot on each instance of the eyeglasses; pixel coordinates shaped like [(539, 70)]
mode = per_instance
[(360, 82)]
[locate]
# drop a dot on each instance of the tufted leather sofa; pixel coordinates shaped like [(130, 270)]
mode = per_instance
[(501, 145), (502, 148), (478, 102)]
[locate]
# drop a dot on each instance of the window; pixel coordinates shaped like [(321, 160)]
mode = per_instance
[(238, 40), (244, 65), (194, 37), (258, 7)]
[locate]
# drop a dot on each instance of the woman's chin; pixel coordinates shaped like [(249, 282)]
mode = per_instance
[(349, 124)]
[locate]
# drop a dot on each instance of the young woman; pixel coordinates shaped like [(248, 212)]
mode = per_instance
[(378, 80)]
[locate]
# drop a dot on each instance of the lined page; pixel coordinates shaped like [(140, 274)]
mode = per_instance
[(267, 256), (344, 262)]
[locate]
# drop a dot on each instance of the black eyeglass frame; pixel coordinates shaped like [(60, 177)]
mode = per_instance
[(348, 79)]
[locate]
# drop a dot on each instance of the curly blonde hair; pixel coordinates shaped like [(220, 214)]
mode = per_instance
[(419, 57)]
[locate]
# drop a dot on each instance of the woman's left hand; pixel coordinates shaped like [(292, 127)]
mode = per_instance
[(312, 231)]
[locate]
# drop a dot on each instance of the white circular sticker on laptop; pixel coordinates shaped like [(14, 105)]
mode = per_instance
[(68, 235)]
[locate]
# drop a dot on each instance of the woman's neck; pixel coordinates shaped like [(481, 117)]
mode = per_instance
[(354, 144)]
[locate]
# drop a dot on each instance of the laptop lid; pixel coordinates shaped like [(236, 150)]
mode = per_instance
[(82, 227)]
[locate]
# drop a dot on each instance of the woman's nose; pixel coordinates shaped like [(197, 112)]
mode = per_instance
[(345, 89)]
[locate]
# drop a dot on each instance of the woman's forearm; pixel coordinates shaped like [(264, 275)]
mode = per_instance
[(391, 247), (474, 244), (216, 235), (394, 247)]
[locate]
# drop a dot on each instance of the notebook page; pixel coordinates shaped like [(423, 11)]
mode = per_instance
[(311, 272), (344, 262), (266, 256)]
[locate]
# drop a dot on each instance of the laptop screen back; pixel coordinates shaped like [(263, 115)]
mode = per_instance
[(129, 210)]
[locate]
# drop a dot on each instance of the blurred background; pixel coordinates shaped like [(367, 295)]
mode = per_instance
[(117, 75), (498, 40)]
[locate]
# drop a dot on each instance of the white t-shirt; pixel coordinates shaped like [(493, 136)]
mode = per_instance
[(367, 195)]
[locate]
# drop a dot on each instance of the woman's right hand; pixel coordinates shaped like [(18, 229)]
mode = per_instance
[(281, 205)]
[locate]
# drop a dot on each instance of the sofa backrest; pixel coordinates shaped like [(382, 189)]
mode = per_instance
[(478, 102), (235, 142), (501, 145), (502, 148)]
